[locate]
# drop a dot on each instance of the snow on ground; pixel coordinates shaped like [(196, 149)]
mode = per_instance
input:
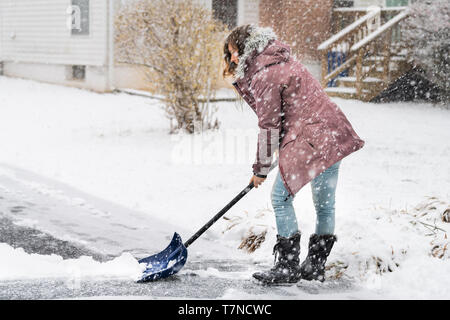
[(22, 265), (116, 147)]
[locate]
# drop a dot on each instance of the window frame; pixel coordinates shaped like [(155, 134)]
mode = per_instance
[(73, 32)]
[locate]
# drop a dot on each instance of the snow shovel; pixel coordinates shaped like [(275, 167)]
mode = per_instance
[(172, 259)]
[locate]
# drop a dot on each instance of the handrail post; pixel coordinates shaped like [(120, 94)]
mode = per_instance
[(324, 68), (387, 57), (359, 65)]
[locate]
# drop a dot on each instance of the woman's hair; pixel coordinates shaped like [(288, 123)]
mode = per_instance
[(237, 39)]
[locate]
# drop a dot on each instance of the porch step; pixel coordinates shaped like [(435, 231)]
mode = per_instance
[(369, 83), (343, 92), (375, 73), (395, 63), (381, 58), (353, 79)]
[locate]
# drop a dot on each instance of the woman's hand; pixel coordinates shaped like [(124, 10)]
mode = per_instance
[(257, 181)]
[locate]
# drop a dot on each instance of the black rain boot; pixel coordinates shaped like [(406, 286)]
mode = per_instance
[(313, 268), (287, 268)]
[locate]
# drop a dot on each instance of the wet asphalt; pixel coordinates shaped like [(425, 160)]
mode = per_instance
[(190, 283), (187, 284)]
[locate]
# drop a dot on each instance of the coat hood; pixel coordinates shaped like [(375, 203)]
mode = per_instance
[(261, 49)]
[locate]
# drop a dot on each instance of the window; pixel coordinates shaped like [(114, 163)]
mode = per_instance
[(342, 3), (76, 73), (80, 17), (396, 3), (226, 11)]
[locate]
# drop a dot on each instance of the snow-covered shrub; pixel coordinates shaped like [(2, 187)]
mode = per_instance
[(251, 229), (432, 215), (179, 43), (395, 239), (427, 34)]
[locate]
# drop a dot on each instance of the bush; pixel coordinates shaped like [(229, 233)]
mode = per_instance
[(180, 44)]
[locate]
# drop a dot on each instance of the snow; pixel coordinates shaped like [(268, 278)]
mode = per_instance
[(341, 89), (353, 79), (16, 264), (139, 184)]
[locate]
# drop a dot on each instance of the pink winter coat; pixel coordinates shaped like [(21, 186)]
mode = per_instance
[(294, 115)]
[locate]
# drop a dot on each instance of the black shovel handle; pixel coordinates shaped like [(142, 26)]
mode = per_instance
[(223, 211)]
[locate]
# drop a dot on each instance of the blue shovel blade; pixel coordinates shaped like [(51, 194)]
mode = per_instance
[(167, 262)]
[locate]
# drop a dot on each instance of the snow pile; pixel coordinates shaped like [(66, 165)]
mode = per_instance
[(379, 247), (17, 264), (397, 249)]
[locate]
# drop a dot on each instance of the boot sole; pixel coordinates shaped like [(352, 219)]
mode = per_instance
[(277, 283), (321, 278)]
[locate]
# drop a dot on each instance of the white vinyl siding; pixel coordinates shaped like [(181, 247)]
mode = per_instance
[(36, 31), (1, 33)]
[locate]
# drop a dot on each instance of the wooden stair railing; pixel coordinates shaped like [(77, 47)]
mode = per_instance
[(377, 44), (372, 58), (342, 17), (342, 41)]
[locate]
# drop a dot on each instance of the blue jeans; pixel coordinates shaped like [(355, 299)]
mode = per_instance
[(323, 189)]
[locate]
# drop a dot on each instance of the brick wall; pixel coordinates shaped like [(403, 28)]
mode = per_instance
[(303, 24)]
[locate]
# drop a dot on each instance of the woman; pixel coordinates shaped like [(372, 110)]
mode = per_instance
[(296, 117)]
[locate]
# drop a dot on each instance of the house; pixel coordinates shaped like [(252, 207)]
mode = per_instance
[(70, 42), (67, 42)]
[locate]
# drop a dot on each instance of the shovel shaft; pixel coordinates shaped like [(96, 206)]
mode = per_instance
[(223, 211), (218, 215)]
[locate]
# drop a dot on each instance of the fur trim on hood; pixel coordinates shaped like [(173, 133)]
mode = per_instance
[(258, 39)]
